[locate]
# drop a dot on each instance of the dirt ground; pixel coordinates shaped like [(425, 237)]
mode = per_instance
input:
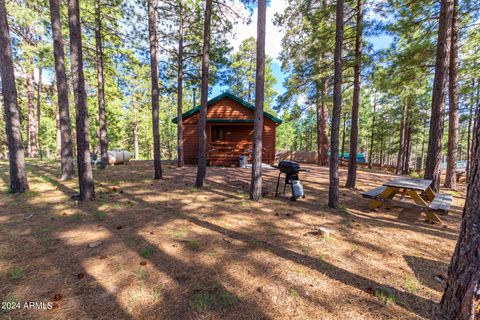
[(165, 250)]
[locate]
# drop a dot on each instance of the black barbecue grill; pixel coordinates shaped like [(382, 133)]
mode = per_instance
[(291, 169)]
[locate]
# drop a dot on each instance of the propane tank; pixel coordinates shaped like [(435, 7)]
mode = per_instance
[(297, 189), (118, 156)]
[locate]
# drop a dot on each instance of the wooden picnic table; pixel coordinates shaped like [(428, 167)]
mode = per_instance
[(419, 190)]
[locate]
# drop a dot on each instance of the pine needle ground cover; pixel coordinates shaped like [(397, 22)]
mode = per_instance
[(162, 249)]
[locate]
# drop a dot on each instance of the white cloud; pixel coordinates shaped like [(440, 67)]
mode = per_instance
[(273, 38)]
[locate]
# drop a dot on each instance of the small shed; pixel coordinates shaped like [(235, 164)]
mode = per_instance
[(229, 132)]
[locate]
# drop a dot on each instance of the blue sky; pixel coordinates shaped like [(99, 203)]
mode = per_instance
[(273, 42)]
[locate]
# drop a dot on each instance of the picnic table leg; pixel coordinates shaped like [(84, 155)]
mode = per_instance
[(418, 200), (388, 193), (430, 194)]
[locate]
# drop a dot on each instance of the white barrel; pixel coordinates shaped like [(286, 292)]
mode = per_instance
[(297, 189), (118, 156)]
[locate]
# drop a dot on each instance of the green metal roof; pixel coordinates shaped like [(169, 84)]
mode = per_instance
[(234, 98)]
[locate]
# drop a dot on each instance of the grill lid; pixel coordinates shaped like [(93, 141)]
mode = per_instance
[(288, 166)]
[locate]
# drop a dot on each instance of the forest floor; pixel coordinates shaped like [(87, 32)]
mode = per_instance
[(165, 250)]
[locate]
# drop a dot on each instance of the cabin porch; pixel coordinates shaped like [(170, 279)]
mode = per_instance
[(228, 141)]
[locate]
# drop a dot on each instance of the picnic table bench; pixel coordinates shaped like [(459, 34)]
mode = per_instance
[(419, 190)]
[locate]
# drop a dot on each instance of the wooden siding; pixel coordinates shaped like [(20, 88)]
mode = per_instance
[(241, 133)]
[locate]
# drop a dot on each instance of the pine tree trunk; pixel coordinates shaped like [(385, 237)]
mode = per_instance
[(39, 104), (318, 113), (408, 148), (401, 146), (343, 137), (352, 161), (32, 131), (58, 137), (476, 117), (194, 97), (102, 121), (18, 174), (372, 134), (381, 152), (153, 38), (434, 154), (256, 182), (202, 121), (322, 125), (85, 176), (180, 160), (470, 115), (422, 164), (135, 131), (67, 166), (135, 140), (461, 299), (451, 175), (333, 189)]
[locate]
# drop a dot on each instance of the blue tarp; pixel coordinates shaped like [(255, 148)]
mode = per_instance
[(346, 156)]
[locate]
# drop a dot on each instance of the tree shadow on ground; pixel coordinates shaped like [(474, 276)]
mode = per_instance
[(405, 300), (427, 269), (192, 280), (176, 301)]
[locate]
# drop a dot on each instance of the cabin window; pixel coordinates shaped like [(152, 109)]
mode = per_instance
[(218, 134)]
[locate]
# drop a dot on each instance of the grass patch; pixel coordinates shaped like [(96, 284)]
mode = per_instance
[(16, 273), (327, 238), (134, 297), (100, 215), (31, 194), (44, 229), (141, 294), (323, 262), (216, 297), (180, 233), (194, 189), (155, 294), (193, 245), (226, 299), (300, 271), (132, 242), (45, 240), (202, 301), (141, 273), (213, 254), (384, 296), (412, 284), (75, 217), (256, 243), (293, 293), (146, 252)]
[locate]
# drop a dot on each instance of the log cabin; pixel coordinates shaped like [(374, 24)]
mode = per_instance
[(229, 132)]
